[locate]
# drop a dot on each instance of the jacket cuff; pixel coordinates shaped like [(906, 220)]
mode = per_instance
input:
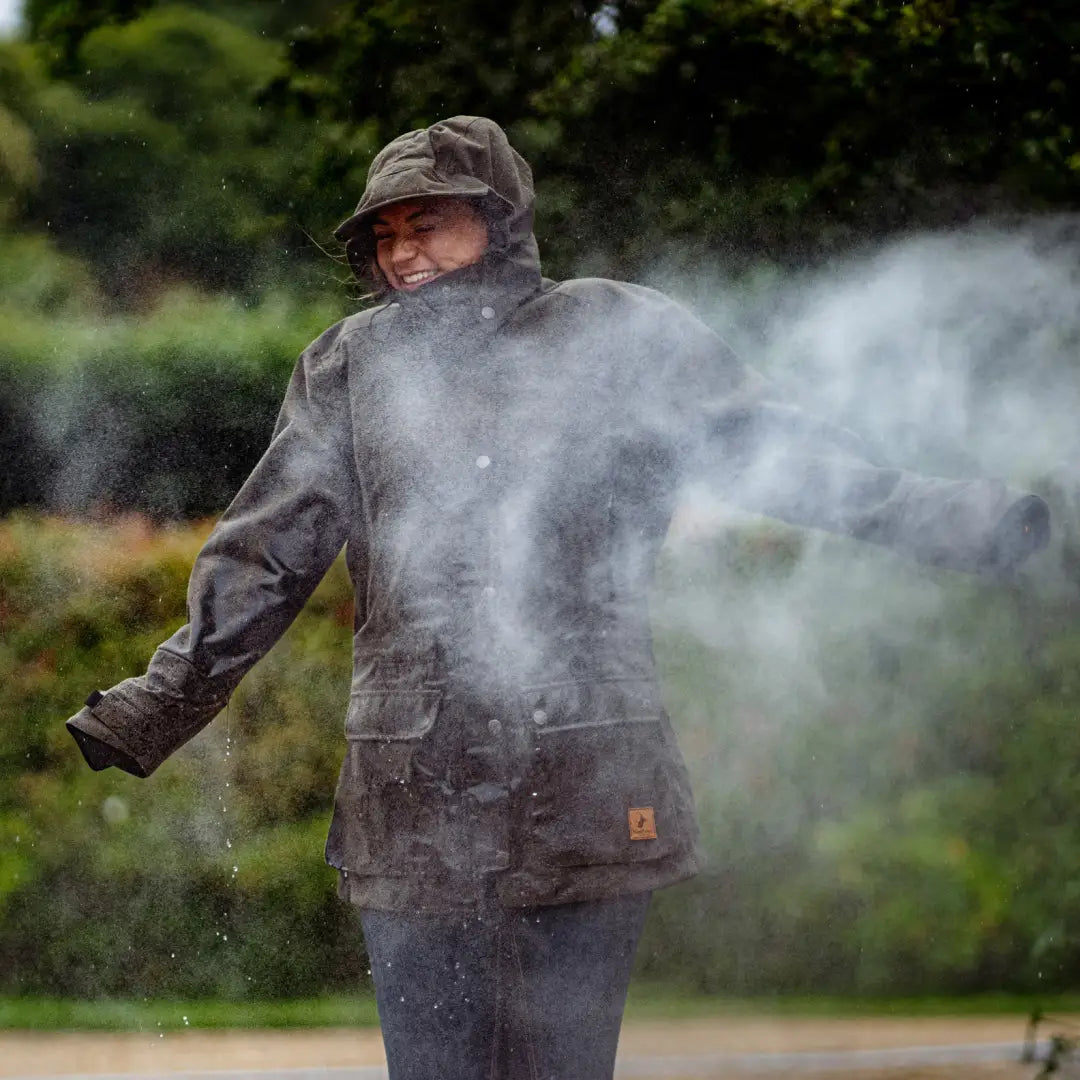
[(1023, 530), (96, 729), (100, 746), (977, 526), (139, 722)]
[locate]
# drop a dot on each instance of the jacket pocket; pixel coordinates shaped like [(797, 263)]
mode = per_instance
[(391, 716), (394, 703), (381, 820), (600, 788)]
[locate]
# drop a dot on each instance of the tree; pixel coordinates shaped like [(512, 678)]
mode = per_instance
[(781, 129), (159, 164)]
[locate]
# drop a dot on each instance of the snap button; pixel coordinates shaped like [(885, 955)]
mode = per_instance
[(483, 461), (539, 716), (494, 726), (487, 312)]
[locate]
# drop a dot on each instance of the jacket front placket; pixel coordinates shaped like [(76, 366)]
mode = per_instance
[(479, 715)]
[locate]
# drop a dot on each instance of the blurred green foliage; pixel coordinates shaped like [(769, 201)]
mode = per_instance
[(886, 809), (885, 793), (207, 142), (209, 881), (157, 165), (878, 792), (166, 414), (149, 149)]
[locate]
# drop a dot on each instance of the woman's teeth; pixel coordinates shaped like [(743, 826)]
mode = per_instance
[(420, 275)]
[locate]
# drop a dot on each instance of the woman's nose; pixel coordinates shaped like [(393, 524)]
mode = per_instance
[(403, 250)]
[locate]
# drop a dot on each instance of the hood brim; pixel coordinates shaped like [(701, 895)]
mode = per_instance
[(463, 157), (421, 186)]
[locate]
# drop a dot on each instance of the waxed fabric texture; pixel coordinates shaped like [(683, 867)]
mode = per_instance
[(500, 455), (462, 156)]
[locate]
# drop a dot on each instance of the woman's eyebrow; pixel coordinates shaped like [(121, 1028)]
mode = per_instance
[(427, 211)]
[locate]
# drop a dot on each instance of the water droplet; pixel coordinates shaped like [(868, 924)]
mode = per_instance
[(114, 810)]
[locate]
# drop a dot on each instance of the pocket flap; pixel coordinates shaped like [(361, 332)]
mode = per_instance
[(580, 704), (391, 715)]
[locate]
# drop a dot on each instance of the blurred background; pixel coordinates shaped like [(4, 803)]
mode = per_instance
[(873, 201)]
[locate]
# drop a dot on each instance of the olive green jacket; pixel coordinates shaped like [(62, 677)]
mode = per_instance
[(500, 456)]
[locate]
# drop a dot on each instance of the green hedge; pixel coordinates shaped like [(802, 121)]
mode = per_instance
[(207, 880), (164, 414), (885, 762)]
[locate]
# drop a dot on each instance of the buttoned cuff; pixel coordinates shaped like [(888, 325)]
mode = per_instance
[(99, 745), (139, 722)]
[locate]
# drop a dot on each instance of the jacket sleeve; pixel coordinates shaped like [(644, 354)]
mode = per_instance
[(769, 457), (260, 564)]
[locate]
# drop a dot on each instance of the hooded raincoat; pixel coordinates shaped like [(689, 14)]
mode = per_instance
[(500, 455)]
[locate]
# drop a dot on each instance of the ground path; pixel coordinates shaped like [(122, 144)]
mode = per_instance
[(892, 1048)]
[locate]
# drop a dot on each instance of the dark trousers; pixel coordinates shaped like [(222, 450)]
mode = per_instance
[(506, 994)]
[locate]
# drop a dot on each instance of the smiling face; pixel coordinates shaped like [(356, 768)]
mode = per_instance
[(418, 240)]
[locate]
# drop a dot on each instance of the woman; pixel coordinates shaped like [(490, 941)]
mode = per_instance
[(500, 456)]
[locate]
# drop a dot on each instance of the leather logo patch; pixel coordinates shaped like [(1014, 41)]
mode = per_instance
[(642, 823)]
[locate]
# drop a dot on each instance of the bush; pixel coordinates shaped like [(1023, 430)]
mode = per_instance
[(209, 879), (164, 414), (885, 789)]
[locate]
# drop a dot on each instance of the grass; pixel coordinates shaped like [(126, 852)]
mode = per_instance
[(663, 1003), (66, 1014), (645, 1003)]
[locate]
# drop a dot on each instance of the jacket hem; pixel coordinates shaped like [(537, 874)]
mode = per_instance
[(541, 887)]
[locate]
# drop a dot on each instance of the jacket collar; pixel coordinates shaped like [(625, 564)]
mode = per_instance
[(485, 294)]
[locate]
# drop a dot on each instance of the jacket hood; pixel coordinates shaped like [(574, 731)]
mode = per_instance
[(463, 156)]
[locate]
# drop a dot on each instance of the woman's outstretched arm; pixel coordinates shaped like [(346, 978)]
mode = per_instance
[(770, 457), (264, 558)]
